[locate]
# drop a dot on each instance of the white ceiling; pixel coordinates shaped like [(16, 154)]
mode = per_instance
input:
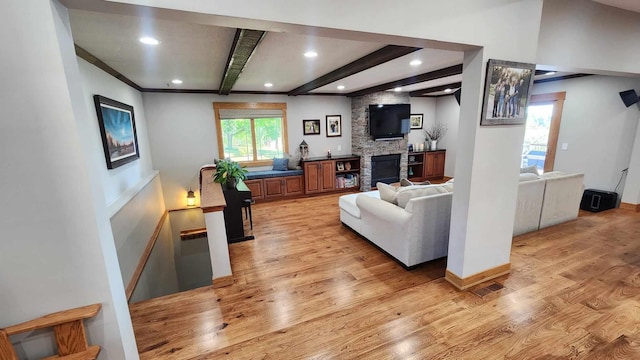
[(197, 54)]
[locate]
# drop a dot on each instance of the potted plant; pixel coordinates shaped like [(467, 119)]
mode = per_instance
[(433, 133), (228, 173)]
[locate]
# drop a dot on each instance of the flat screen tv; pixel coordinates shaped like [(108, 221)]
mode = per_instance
[(389, 121)]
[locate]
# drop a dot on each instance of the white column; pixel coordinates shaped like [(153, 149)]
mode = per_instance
[(631, 194)]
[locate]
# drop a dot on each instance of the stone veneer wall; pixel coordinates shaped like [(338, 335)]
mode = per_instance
[(361, 142)]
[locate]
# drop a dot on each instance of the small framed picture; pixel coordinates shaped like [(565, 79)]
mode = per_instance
[(334, 125), (311, 127), (340, 166), (416, 121)]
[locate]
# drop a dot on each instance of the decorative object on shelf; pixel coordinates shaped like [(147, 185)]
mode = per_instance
[(416, 121), (340, 166), (228, 172), (410, 147), (421, 147), (304, 150), (118, 131), (506, 92), (191, 198), (412, 159), (334, 125), (410, 171), (347, 165), (311, 127), (434, 133), (329, 154)]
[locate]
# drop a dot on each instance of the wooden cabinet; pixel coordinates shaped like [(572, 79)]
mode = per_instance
[(256, 188), (426, 165), (282, 186), (434, 164), (324, 175)]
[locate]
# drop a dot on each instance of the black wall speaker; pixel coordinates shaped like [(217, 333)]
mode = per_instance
[(629, 97), (457, 95)]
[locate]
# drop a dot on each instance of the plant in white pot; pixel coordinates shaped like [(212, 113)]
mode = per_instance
[(434, 133)]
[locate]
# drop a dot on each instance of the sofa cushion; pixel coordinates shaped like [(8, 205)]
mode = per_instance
[(280, 164), (529, 170), (552, 174), (407, 193), (388, 193), (528, 177)]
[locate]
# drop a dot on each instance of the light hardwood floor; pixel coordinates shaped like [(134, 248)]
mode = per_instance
[(308, 287)]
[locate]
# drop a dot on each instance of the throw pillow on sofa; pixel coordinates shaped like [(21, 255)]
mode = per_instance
[(528, 177), (387, 192), (529, 169)]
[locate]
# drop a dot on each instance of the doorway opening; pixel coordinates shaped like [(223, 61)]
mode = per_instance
[(542, 128)]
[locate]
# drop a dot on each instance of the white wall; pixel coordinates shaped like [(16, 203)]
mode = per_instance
[(183, 136), (427, 107), (57, 250), (587, 35), (116, 182), (448, 113), (598, 128), (159, 276), (192, 260)]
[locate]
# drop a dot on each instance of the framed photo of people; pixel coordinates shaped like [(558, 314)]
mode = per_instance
[(334, 125), (506, 92)]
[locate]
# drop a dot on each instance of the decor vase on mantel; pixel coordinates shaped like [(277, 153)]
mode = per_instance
[(433, 144)]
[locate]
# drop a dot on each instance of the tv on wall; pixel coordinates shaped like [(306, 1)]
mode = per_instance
[(389, 121)]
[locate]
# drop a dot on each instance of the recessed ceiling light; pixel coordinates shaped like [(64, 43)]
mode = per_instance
[(310, 54), (176, 81), (268, 84), (340, 87), (550, 73), (149, 41), (398, 89), (447, 90), (415, 62)]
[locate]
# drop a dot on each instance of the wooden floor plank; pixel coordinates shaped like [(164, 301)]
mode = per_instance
[(307, 287)]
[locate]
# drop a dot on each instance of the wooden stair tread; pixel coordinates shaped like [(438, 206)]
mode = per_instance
[(54, 319), (90, 354)]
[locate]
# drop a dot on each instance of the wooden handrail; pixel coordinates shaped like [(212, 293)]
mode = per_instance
[(68, 328)]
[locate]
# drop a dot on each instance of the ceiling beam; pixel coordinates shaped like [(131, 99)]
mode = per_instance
[(90, 58), (430, 90), (437, 74), (376, 58), (244, 46)]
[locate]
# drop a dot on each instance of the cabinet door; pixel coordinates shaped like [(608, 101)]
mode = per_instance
[(328, 175), (273, 187), (256, 188), (429, 165), (438, 167), (293, 185), (312, 177)]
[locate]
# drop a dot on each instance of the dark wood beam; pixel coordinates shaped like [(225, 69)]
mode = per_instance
[(558, 78), (87, 56), (437, 74), (244, 45), (427, 91), (376, 58)]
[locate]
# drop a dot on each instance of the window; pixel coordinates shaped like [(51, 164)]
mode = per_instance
[(251, 133)]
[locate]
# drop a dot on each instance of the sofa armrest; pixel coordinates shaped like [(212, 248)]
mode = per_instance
[(561, 200)]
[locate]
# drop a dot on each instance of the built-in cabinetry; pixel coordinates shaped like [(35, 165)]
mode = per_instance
[(276, 187), (426, 165), (335, 174)]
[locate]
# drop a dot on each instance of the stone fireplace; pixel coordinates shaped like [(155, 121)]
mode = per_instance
[(361, 141)]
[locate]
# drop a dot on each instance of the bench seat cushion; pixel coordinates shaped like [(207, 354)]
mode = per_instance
[(252, 175)]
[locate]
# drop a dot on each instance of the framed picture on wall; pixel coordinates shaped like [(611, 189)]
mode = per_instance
[(506, 92), (311, 127), (416, 121), (118, 130), (334, 125)]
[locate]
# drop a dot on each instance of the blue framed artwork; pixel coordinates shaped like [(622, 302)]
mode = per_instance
[(118, 130)]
